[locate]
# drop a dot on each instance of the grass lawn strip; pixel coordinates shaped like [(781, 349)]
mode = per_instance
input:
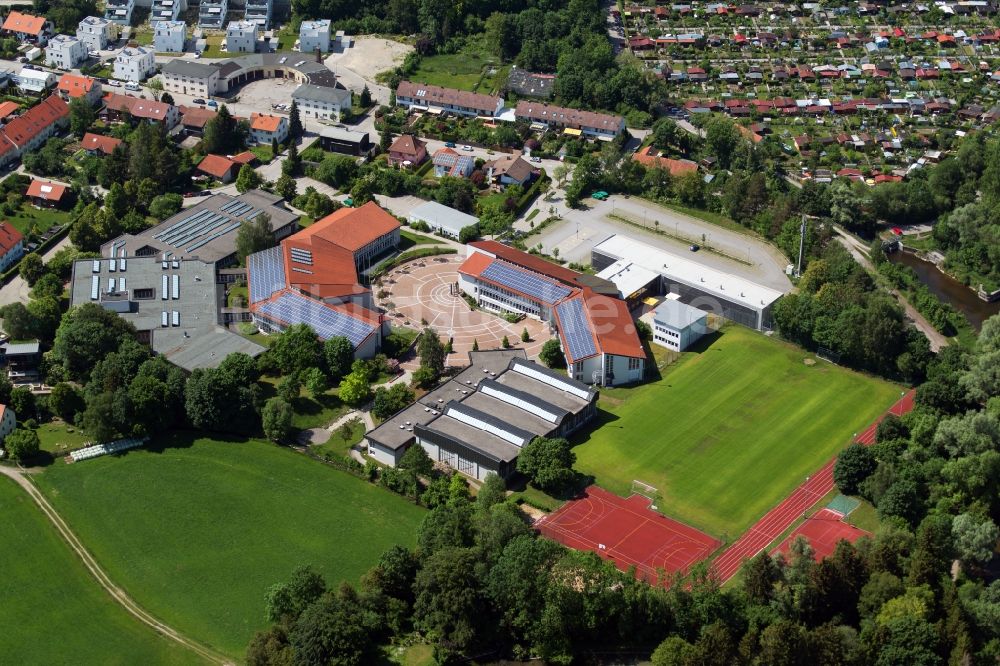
[(53, 608), (198, 531), (730, 430)]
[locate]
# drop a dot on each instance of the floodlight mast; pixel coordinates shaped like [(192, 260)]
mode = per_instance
[(802, 243)]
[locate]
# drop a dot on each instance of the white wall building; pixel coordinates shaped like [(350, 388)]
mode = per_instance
[(169, 36), (314, 35), (34, 80), (241, 37), (8, 421), (212, 13), (134, 63), (65, 52), (259, 12), (442, 219), (96, 32), (166, 10), (321, 102), (677, 326), (190, 78), (119, 11)]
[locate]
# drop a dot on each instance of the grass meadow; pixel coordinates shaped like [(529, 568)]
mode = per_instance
[(730, 429), (52, 608), (197, 529)]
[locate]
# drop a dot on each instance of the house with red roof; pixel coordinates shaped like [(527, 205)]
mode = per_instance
[(407, 150), (45, 193), (32, 128), (11, 245), (265, 128), (219, 168), (650, 158), (98, 144), (8, 109), (27, 27), (71, 86), (118, 107)]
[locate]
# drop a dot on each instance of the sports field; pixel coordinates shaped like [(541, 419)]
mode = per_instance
[(52, 610), (198, 531), (730, 429)]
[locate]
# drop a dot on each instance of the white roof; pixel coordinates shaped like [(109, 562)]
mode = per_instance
[(671, 312), (36, 74), (628, 277), (439, 215), (677, 267)]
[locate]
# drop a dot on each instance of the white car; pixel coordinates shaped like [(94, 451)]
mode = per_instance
[(132, 85), (467, 149), (114, 83)]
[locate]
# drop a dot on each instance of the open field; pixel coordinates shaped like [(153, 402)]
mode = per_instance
[(52, 608), (197, 531), (462, 70), (28, 217), (730, 429)]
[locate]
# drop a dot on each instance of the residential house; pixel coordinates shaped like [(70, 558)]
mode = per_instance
[(11, 245), (165, 10), (27, 28), (65, 52), (169, 36), (407, 150), (266, 128), (45, 193), (321, 102), (314, 35), (98, 144), (119, 12), (422, 96), (345, 141), (134, 63), (509, 170), (34, 80), (96, 32), (447, 162), (71, 86), (219, 167), (8, 421), (259, 12), (8, 109), (212, 13), (193, 119), (32, 128), (190, 78), (116, 107), (572, 121), (241, 37), (651, 159)]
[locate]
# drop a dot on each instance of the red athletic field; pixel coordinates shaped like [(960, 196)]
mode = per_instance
[(628, 533), (823, 530), (783, 516)]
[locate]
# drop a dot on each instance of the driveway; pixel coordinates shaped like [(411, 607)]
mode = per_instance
[(17, 290)]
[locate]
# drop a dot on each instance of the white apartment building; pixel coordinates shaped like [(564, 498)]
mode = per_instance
[(96, 32), (119, 11), (314, 35), (259, 12), (321, 102), (65, 52), (166, 10), (190, 78), (241, 37), (134, 63), (34, 80), (212, 13), (169, 36)]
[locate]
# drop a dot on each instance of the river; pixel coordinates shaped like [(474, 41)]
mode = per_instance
[(949, 290)]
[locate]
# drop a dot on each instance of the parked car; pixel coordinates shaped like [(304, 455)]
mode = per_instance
[(132, 85), (212, 104), (198, 101), (449, 144), (114, 83), (536, 159), (467, 149), (695, 247)]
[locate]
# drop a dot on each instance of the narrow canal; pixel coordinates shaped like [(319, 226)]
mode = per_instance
[(949, 290)]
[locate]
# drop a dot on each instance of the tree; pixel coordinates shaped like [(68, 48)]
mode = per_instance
[(297, 349), (355, 388), (248, 179), (332, 631), (222, 134), (975, 538), (385, 139), (285, 187), (551, 354), (365, 100), (254, 235), (524, 336), (505, 343), (475, 344), (431, 352), (98, 419), (316, 382), (548, 462), (854, 464), (276, 419), (32, 268), (416, 459), (65, 402), (224, 398), (448, 598), (22, 444), (338, 171), (290, 387), (287, 600), (165, 205), (294, 124), (275, 150), (390, 400), (86, 334), (22, 400), (81, 116), (339, 354), (17, 321), (292, 166)]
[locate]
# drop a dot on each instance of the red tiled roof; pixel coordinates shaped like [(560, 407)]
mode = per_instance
[(26, 23), (263, 122), (246, 157), (105, 144), (76, 86), (139, 108), (8, 108), (648, 158), (195, 116), (431, 95), (406, 144), (353, 228), (29, 124), (43, 189), (529, 261), (9, 237), (216, 165)]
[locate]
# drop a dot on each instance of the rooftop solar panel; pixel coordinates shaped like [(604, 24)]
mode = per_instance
[(290, 308), (221, 232), (525, 282), (266, 272), (575, 329)]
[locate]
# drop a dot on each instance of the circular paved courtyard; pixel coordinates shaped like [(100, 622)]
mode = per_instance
[(427, 290)]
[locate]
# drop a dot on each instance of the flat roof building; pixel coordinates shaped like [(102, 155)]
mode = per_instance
[(344, 141), (442, 219), (480, 420), (175, 305), (677, 326)]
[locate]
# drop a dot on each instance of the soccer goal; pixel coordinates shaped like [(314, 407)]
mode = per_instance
[(647, 491), (828, 355)]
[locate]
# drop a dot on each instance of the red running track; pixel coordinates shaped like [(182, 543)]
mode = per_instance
[(783, 516), (628, 533), (823, 530)]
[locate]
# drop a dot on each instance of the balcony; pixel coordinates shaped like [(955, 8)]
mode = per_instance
[(259, 12), (212, 13)]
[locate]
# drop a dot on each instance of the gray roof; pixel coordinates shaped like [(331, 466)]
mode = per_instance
[(198, 341), (320, 93), (315, 72), (397, 430), (341, 133), (678, 315), (15, 348), (439, 215), (195, 70), (473, 438), (221, 214)]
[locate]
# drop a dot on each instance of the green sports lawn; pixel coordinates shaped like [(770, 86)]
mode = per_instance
[(53, 611), (198, 530), (730, 429)]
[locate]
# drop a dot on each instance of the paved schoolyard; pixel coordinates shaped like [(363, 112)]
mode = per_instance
[(421, 290)]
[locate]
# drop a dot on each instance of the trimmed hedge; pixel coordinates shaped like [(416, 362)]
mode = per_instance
[(409, 255)]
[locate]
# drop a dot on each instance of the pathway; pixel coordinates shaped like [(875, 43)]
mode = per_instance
[(117, 593), (776, 521)]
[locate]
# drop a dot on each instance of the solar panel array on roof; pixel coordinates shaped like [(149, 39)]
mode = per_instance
[(525, 282), (290, 308), (266, 272), (573, 325)]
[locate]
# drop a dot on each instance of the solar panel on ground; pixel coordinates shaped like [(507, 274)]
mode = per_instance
[(574, 327), (290, 308), (524, 282), (266, 272)]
